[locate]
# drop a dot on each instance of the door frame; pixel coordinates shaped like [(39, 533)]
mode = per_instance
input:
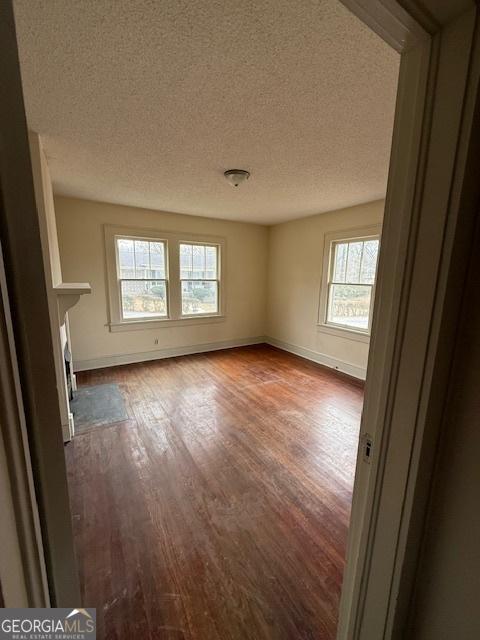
[(31, 338), (22, 564), (426, 240), (430, 212)]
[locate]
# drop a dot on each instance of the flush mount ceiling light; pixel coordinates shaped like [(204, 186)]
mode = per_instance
[(236, 176)]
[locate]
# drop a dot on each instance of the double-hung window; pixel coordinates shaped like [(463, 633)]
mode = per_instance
[(156, 278), (142, 278), (347, 295), (199, 276)]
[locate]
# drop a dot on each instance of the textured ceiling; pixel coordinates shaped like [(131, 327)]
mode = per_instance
[(146, 103)]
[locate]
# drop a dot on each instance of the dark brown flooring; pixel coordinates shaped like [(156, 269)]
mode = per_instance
[(219, 510)]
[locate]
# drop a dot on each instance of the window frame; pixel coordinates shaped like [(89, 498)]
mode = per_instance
[(217, 280), (359, 234), (172, 241), (120, 279)]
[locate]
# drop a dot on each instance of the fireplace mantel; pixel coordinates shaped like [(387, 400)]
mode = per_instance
[(68, 294)]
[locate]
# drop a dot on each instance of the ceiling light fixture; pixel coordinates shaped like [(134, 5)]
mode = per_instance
[(236, 176)]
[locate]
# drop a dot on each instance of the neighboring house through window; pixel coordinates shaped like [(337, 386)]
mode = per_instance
[(199, 277), (142, 277)]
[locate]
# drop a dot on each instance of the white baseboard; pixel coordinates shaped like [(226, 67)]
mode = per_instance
[(158, 354), (320, 358), (68, 428)]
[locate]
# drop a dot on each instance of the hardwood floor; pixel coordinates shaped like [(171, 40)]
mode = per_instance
[(219, 510)]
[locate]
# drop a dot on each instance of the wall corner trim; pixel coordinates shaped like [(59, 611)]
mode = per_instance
[(160, 354), (320, 358)]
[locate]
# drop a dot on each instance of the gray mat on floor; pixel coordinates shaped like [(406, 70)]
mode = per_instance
[(97, 406)]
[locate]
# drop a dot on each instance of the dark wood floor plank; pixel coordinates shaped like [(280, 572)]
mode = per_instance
[(219, 510)]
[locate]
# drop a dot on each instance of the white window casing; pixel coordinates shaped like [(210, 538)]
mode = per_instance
[(162, 310), (345, 240)]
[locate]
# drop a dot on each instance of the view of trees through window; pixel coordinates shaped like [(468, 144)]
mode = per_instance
[(351, 282), (199, 278), (142, 275)]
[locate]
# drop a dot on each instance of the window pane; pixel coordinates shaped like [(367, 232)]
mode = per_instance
[(353, 261), (126, 261), (198, 261), (185, 261), (340, 262), (157, 260), (199, 297), (142, 259), (349, 305), (211, 262), (369, 261), (146, 299)]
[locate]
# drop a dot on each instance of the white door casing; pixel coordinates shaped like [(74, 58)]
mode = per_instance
[(413, 334)]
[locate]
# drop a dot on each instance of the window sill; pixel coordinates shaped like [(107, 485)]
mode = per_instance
[(142, 325), (349, 334)]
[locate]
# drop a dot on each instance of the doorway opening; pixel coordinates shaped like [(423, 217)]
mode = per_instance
[(394, 303), (215, 367)]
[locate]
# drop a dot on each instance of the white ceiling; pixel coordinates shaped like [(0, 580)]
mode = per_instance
[(146, 103)]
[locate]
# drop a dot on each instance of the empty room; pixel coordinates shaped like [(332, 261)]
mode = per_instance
[(224, 264), (213, 219)]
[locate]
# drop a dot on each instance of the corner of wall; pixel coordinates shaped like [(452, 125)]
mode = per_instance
[(268, 275), (52, 268)]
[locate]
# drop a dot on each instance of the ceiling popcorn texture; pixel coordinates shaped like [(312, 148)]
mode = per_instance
[(147, 102)]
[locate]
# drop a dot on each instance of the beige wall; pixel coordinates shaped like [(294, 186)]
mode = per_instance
[(294, 278), (80, 229), (272, 288)]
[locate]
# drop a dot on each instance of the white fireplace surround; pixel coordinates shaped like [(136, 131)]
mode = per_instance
[(67, 295)]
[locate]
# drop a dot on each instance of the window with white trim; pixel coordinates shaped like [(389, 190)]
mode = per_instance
[(159, 278), (199, 278), (348, 286), (142, 278)]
